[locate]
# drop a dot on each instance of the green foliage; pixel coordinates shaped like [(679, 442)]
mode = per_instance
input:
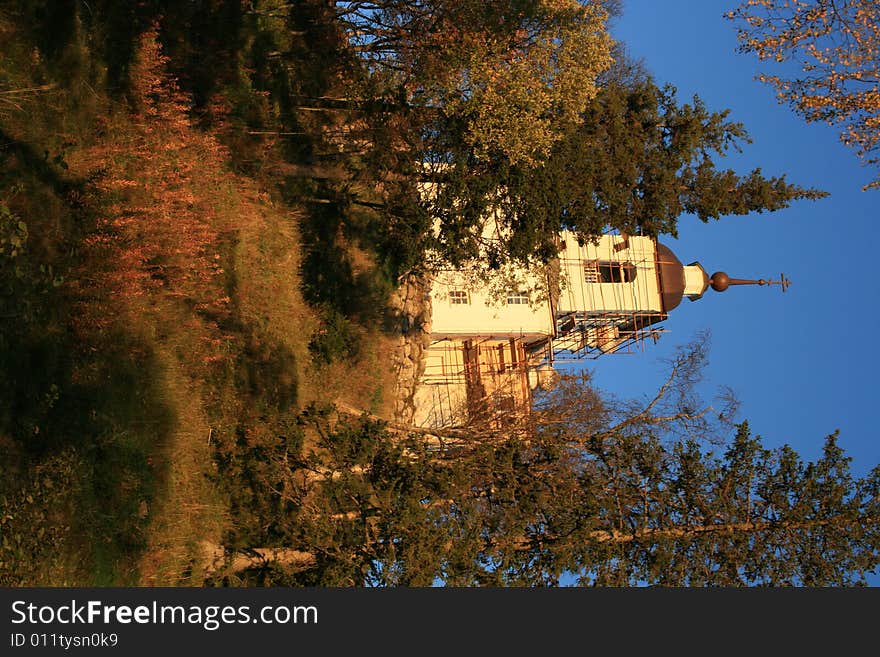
[(349, 130), (350, 492), (80, 431), (82, 416), (353, 255), (520, 99), (13, 264), (249, 459), (331, 275), (13, 236), (637, 163), (25, 283), (603, 491), (36, 537), (379, 508), (338, 339)]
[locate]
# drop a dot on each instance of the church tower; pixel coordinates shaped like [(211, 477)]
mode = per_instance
[(490, 346)]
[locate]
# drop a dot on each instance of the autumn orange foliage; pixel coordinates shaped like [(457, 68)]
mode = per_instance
[(836, 43), (160, 233)]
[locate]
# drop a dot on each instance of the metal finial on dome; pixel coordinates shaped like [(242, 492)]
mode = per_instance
[(720, 281)]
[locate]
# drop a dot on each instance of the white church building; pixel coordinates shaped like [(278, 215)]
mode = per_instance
[(490, 347)]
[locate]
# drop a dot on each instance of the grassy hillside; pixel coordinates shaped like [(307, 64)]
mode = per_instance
[(152, 313)]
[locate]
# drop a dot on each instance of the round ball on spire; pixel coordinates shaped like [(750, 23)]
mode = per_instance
[(719, 281)]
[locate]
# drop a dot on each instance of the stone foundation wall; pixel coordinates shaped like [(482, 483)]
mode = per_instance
[(412, 304)]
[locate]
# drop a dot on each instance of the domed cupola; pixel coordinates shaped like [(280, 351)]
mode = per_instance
[(678, 281)]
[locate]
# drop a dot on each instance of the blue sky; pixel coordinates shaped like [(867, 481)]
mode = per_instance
[(803, 363)]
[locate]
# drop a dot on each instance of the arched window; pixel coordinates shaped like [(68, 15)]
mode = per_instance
[(604, 271)]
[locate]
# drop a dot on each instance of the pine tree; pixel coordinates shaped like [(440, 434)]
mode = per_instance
[(639, 161), (604, 493)]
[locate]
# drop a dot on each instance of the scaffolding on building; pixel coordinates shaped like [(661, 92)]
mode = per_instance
[(491, 379), (481, 380), (593, 319)]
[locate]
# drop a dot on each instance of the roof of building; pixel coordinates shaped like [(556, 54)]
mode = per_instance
[(671, 273)]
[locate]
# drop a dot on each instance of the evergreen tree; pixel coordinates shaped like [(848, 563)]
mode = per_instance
[(606, 493), (637, 163)]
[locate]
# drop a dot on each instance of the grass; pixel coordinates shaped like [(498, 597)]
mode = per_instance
[(187, 508), (188, 302)]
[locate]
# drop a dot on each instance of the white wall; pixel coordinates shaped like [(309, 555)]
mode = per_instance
[(642, 294), (486, 315)]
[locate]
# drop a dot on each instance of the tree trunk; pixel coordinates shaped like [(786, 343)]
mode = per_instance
[(218, 560)]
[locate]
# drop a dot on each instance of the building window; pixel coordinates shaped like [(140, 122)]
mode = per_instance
[(517, 299), (459, 298), (609, 272), (591, 272)]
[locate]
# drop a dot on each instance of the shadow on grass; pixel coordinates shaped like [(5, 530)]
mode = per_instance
[(262, 370), (82, 412), (101, 412), (329, 274), (349, 289)]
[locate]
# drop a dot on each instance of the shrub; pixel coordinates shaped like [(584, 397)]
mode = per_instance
[(337, 339)]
